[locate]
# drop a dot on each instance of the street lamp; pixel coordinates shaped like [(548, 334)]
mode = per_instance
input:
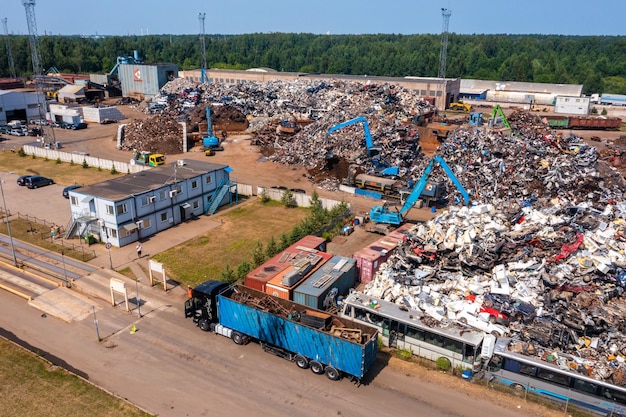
[(137, 297), (69, 285), (6, 217)]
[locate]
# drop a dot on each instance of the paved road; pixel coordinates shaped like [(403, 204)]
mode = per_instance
[(171, 368)]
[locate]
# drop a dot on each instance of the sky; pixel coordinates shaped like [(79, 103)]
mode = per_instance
[(151, 17)]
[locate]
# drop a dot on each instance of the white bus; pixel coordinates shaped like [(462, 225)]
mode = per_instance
[(555, 382), (400, 328)]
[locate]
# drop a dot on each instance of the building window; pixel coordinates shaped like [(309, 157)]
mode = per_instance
[(194, 184), (423, 92), (162, 195), (74, 201), (113, 233), (195, 204), (144, 201), (208, 180), (124, 233), (122, 208), (178, 189), (146, 223), (109, 209), (164, 217)]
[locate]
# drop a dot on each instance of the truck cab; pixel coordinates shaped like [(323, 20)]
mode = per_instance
[(202, 305)]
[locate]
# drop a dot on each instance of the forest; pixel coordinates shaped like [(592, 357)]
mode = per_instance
[(597, 62)]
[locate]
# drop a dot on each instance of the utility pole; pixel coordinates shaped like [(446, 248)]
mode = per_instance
[(203, 77), (443, 54), (9, 52), (31, 21)]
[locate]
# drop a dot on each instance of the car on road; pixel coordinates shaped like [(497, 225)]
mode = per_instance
[(21, 180), (37, 181), (66, 190)]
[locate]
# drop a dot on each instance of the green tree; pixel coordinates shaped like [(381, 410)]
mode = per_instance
[(258, 255)]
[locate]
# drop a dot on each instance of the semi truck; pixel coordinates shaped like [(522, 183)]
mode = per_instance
[(609, 99), (313, 339)]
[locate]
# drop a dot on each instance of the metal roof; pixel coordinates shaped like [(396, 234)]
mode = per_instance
[(148, 180), (522, 87)]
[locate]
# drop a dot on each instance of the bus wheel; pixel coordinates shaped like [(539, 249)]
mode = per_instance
[(332, 373), (519, 389), (203, 324), (316, 367), (302, 362), (237, 338)]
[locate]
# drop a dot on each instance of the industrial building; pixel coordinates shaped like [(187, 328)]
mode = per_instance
[(517, 92), (19, 105), (127, 209), (440, 91), (144, 81)]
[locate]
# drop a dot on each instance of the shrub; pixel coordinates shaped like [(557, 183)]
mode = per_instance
[(85, 164), (113, 170), (21, 153), (404, 354), (58, 160), (604, 112), (443, 363)]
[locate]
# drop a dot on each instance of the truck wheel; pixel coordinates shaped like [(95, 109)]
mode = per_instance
[(332, 373), (302, 362), (237, 338), (204, 325), (316, 367)]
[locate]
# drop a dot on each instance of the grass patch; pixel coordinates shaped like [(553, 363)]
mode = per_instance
[(63, 173), (39, 235), (127, 273), (34, 387), (205, 257)]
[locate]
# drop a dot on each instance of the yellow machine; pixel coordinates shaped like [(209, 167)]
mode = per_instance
[(459, 105)]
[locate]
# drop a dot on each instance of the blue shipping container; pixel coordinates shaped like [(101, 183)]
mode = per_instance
[(344, 355)]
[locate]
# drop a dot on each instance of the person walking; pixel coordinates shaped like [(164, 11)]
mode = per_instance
[(138, 250)]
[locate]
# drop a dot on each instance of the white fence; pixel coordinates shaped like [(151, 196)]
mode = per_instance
[(77, 158), (301, 199)]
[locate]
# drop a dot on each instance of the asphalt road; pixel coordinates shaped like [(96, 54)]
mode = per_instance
[(171, 368)]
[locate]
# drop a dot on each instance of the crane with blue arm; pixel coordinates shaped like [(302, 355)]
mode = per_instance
[(382, 214)]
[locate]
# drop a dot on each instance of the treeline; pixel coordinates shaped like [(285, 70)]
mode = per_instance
[(598, 62)]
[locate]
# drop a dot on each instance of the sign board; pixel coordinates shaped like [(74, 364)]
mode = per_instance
[(117, 285), (108, 245), (157, 267)]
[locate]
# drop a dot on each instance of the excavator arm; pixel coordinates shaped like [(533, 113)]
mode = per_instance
[(369, 143), (497, 111)]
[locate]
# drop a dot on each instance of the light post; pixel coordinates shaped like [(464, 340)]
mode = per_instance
[(6, 217), (137, 297), (67, 283)]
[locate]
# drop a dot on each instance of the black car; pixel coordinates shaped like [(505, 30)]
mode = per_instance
[(66, 190), (37, 181), (21, 180), (78, 126)]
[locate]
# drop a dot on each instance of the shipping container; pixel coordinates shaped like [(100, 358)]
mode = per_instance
[(279, 286), (368, 262), (261, 275), (320, 289), (299, 335)]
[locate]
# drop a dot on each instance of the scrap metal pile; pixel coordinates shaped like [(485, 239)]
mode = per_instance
[(314, 107), (157, 134), (545, 244)]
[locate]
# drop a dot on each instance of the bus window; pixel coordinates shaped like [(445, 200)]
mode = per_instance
[(495, 364), (512, 365), (584, 386), (554, 377), (454, 345), (469, 354), (414, 333), (525, 369), (614, 395)]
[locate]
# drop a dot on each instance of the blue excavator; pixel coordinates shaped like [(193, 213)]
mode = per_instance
[(210, 142), (382, 214), (372, 151)]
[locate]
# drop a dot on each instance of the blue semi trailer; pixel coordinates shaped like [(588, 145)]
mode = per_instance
[(313, 339)]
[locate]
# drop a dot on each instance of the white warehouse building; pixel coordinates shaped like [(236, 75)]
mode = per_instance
[(19, 105)]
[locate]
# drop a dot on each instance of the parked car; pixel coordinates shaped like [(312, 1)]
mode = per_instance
[(17, 132), (66, 190), (37, 181), (477, 322), (77, 126), (107, 121), (21, 180)]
